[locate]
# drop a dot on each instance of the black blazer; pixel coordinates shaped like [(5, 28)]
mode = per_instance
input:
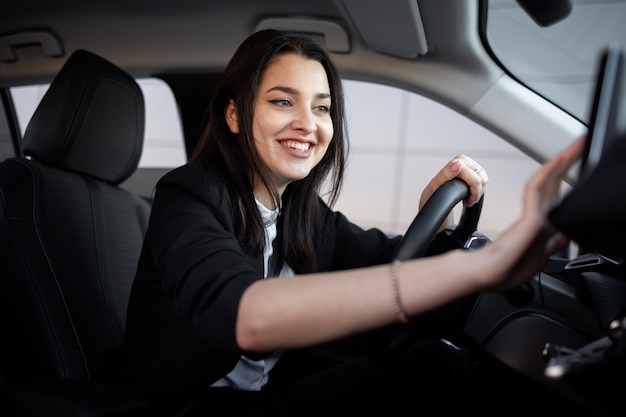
[(192, 272)]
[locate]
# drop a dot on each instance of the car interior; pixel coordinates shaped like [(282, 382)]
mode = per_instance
[(75, 200)]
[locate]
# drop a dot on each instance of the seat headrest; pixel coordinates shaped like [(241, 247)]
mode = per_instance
[(91, 120)]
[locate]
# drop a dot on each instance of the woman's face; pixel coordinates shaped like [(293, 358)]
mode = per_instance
[(291, 123)]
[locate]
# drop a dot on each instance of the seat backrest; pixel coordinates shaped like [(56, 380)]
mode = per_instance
[(69, 236)]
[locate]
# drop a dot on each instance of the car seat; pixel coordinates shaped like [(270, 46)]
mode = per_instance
[(70, 238)]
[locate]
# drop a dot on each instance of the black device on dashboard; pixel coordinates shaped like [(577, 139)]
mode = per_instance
[(607, 121), (592, 214)]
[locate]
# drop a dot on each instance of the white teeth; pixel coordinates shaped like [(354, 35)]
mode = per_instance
[(296, 145)]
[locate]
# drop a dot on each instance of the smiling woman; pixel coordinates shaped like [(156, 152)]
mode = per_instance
[(292, 125), (241, 233), (423, 81)]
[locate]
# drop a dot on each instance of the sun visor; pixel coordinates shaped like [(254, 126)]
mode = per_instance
[(592, 213)]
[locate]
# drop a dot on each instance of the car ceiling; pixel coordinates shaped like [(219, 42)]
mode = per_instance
[(150, 36), (157, 37)]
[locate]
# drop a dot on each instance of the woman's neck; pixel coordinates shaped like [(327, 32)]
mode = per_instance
[(264, 197)]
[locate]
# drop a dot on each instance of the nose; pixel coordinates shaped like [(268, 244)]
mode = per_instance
[(304, 120)]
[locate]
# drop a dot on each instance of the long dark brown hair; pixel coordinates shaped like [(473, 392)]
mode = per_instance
[(300, 201)]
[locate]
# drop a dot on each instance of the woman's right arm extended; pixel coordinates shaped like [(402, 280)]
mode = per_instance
[(315, 308)]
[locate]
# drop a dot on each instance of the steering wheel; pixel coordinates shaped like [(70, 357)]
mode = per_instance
[(418, 238), (424, 227)]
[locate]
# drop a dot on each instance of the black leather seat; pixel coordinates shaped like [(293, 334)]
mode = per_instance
[(69, 242)]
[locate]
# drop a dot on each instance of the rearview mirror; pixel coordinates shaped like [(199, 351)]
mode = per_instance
[(546, 12)]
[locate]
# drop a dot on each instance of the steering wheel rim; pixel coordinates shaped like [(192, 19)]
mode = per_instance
[(423, 228)]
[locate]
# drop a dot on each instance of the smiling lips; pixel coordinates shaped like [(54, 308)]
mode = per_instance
[(299, 146)]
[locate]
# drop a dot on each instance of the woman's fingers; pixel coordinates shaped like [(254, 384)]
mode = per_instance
[(545, 185)]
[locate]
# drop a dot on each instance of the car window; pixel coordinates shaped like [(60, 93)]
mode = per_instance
[(559, 61), (6, 143), (399, 141), (164, 147)]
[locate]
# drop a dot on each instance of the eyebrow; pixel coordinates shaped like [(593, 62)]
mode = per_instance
[(290, 90)]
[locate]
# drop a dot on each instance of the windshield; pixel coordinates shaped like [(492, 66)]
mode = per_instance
[(558, 61)]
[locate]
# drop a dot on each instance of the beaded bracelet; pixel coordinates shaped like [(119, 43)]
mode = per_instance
[(398, 306)]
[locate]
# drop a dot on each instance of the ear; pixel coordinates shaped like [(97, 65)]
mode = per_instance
[(231, 117)]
